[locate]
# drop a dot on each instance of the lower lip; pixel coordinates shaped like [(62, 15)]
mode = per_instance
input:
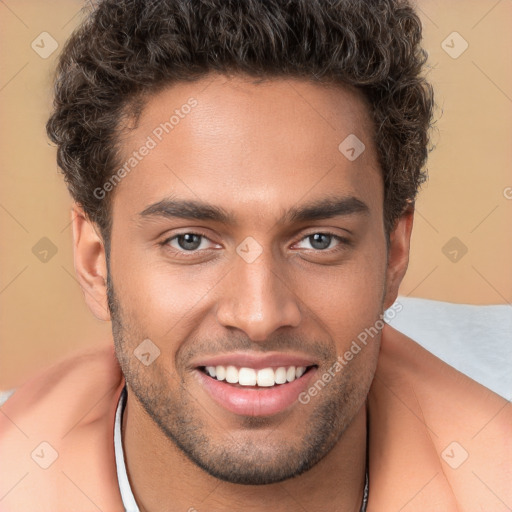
[(254, 401)]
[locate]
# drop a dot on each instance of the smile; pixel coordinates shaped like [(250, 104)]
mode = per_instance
[(255, 392)]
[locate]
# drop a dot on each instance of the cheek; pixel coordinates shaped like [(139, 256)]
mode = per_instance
[(351, 292), (349, 302), (158, 298)]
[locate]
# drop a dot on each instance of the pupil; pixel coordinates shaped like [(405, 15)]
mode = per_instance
[(191, 241), (317, 239)]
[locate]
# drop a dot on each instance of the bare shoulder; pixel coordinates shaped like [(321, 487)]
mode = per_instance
[(73, 380), (403, 358), (468, 426)]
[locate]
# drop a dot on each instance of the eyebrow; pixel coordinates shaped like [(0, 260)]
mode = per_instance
[(324, 208)]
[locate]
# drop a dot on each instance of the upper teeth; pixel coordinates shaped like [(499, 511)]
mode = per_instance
[(250, 377)]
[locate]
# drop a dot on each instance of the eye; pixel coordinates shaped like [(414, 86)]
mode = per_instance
[(190, 243), (322, 241), (187, 242)]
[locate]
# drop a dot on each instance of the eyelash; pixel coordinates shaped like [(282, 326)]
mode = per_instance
[(343, 243)]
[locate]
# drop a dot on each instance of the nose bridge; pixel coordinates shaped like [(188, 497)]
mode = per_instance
[(257, 299)]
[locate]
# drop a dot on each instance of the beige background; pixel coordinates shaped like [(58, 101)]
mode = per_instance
[(468, 196)]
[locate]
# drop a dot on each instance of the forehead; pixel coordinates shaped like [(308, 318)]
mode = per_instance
[(230, 141)]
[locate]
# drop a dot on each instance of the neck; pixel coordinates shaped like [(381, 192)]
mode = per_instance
[(160, 474)]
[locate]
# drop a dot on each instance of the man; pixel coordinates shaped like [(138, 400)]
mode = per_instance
[(244, 176)]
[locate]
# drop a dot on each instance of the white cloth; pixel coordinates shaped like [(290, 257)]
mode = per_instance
[(474, 339)]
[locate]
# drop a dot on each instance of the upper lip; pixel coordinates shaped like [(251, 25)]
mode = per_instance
[(256, 361)]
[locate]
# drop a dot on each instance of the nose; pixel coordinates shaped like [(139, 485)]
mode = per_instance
[(257, 299)]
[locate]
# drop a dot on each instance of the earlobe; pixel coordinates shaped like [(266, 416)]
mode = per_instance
[(90, 263), (398, 256)]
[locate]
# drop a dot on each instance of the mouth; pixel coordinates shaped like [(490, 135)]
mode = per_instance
[(255, 391)]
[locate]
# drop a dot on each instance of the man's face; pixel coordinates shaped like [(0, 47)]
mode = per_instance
[(213, 291)]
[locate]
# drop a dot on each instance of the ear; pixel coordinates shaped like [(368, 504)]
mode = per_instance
[(398, 254), (90, 263)]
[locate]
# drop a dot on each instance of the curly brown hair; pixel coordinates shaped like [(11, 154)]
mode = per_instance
[(126, 50)]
